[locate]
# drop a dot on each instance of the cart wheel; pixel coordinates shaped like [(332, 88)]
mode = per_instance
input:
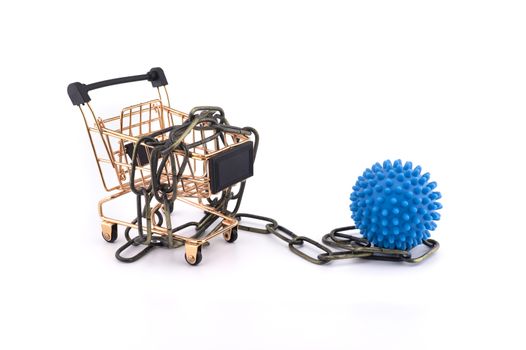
[(196, 260), (110, 233), (233, 235)]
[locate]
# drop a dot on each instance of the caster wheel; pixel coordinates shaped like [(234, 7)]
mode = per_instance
[(109, 233), (233, 235), (194, 260)]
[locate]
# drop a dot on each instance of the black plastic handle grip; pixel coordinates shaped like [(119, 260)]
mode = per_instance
[(78, 92)]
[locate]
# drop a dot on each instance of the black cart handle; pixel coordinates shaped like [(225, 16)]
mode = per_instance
[(78, 92)]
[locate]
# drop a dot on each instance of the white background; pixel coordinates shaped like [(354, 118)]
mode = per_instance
[(332, 88)]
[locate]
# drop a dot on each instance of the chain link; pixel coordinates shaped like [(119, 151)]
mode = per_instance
[(349, 245)]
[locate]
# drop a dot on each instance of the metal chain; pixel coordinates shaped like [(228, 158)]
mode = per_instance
[(345, 245), (349, 245)]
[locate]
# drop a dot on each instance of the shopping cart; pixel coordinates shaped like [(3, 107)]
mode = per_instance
[(162, 155)]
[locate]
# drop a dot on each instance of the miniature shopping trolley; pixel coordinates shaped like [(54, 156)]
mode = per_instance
[(161, 155)]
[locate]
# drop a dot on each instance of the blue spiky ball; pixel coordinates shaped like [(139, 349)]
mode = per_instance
[(394, 206)]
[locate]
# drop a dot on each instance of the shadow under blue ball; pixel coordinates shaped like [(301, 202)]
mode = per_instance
[(394, 206)]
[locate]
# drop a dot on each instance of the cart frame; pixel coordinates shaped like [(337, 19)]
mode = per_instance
[(113, 139)]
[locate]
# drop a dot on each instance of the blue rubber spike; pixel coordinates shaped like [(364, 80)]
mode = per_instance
[(394, 205)]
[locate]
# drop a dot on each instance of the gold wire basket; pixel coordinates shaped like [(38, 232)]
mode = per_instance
[(204, 158)]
